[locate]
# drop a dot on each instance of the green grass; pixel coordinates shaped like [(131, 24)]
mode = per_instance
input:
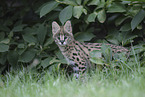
[(128, 81), (98, 85)]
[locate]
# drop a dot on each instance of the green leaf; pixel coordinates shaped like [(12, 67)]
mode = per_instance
[(27, 56), (84, 36), (5, 41), (96, 53), (41, 33), (30, 30), (94, 2), (107, 52), (79, 2), (96, 57), (21, 50), (2, 35), (85, 11), (4, 47), (92, 17), (47, 8), (59, 54), (120, 56), (48, 41), (52, 46), (11, 34), (54, 60), (85, 2), (18, 28), (137, 19), (3, 67), (101, 16), (116, 7), (12, 57), (21, 45), (126, 27), (46, 62), (98, 61), (3, 58), (128, 1), (68, 2), (4, 28), (127, 38), (114, 36), (29, 38), (77, 11), (120, 20), (65, 14)]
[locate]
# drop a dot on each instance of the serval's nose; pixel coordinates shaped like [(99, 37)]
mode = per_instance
[(62, 41)]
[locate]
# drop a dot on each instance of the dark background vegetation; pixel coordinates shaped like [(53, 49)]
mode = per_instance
[(26, 37)]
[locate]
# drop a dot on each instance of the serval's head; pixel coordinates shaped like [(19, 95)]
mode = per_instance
[(62, 34)]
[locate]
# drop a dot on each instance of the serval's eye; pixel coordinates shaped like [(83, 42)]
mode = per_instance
[(58, 38), (65, 37)]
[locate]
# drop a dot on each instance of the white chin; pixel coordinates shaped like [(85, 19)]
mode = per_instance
[(64, 44)]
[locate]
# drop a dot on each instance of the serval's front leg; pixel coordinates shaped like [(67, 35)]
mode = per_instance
[(79, 71)]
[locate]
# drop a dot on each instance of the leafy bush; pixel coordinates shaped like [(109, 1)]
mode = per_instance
[(25, 29)]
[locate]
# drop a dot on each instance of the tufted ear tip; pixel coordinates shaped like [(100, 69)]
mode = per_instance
[(68, 22), (68, 27), (55, 27), (54, 23)]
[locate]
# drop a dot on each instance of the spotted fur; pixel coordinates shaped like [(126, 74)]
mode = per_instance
[(76, 53)]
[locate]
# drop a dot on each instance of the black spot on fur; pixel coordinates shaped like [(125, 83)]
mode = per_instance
[(76, 64), (81, 67), (74, 54), (84, 71), (77, 59), (73, 57)]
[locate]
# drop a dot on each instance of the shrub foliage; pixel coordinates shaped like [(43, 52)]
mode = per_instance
[(25, 29)]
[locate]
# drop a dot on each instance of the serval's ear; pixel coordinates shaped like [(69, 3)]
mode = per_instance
[(68, 27), (55, 27)]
